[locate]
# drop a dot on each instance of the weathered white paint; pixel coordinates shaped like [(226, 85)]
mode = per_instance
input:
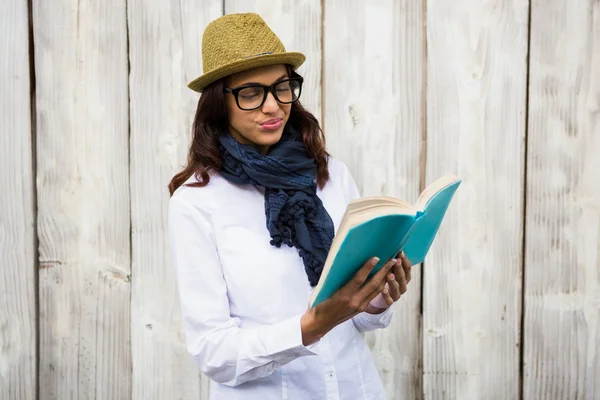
[(476, 81), (18, 374), (165, 43), (83, 199), (99, 339), (298, 24), (562, 275), (373, 109)]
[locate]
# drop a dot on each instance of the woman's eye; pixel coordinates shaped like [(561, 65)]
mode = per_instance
[(249, 93)]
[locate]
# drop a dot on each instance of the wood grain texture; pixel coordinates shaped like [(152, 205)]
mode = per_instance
[(83, 199), (374, 100), (562, 303), (165, 43), (100, 337), (476, 81), (298, 24), (18, 371)]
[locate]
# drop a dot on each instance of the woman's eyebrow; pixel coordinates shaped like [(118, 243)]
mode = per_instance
[(258, 83)]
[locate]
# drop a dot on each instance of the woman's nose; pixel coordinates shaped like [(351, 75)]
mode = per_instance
[(270, 104)]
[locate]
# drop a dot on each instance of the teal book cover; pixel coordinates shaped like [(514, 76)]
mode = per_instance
[(382, 227)]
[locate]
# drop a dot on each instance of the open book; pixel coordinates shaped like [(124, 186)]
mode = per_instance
[(381, 227)]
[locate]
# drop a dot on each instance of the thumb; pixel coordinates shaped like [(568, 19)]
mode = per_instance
[(379, 300)]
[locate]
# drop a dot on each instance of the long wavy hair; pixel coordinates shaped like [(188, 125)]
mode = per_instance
[(211, 119)]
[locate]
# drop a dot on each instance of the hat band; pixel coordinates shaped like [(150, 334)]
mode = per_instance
[(259, 54)]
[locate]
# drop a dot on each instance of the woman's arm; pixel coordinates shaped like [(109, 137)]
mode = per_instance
[(223, 351)]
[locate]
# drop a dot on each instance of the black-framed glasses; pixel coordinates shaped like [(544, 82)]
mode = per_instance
[(252, 96)]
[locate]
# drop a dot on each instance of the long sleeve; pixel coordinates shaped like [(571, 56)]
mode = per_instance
[(364, 321), (224, 351)]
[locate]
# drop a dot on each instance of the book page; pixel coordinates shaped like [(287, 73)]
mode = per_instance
[(432, 189)]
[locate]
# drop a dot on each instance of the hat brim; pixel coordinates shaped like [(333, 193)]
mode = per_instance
[(293, 58)]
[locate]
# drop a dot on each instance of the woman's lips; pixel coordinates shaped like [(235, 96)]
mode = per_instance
[(272, 124)]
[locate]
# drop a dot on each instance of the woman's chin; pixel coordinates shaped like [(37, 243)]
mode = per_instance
[(269, 138)]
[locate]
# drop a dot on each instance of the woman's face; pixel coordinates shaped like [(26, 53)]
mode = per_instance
[(262, 127)]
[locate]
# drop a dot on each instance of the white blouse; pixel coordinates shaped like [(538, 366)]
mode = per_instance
[(242, 300)]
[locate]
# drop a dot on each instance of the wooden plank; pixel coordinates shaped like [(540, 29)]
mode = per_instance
[(562, 303), (374, 100), (298, 25), (165, 53), (18, 372), (83, 199), (476, 81)]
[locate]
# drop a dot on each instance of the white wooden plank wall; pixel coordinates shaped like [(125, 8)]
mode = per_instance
[(562, 275), (18, 324), (405, 91), (476, 81), (374, 63), (83, 199), (165, 41)]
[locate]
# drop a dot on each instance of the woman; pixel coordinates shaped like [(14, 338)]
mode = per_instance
[(251, 218)]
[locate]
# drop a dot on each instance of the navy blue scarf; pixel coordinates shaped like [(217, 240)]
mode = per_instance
[(295, 214)]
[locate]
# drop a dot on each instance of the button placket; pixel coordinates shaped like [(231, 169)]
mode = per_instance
[(330, 376)]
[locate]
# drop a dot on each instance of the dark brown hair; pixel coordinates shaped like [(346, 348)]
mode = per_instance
[(211, 119)]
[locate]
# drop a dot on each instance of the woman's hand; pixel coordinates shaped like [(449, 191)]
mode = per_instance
[(350, 300), (396, 286)]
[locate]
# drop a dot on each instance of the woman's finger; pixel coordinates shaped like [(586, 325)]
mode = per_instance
[(388, 290), (406, 266), (388, 299), (374, 285), (380, 301), (394, 290), (401, 280), (397, 268), (380, 290)]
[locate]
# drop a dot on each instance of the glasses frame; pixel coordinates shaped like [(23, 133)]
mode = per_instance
[(266, 90)]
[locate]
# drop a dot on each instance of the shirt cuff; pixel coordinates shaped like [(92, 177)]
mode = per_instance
[(284, 341), (367, 322)]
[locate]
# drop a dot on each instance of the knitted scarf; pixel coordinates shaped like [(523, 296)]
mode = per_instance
[(295, 215)]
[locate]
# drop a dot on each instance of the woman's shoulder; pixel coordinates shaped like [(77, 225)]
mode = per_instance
[(337, 167), (341, 177), (202, 198), (338, 170)]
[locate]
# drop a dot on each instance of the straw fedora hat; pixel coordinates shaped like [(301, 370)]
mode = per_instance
[(237, 42)]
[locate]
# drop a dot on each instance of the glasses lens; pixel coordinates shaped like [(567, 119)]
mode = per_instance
[(288, 91), (250, 97)]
